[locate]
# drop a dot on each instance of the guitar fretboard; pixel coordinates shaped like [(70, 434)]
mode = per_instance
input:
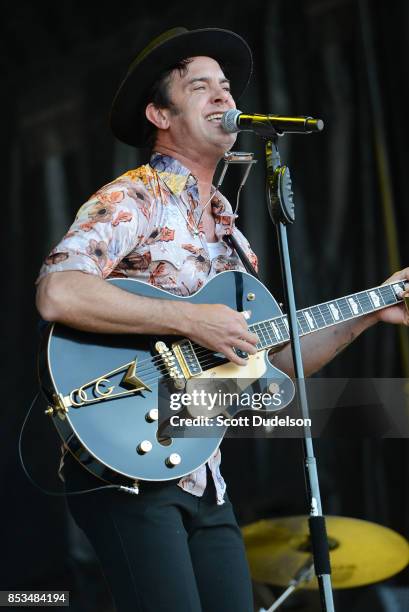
[(274, 332)]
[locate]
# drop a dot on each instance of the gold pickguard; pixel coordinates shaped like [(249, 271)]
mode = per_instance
[(255, 369), (217, 380)]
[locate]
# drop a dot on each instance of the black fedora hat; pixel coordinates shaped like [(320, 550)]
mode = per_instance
[(128, 121)]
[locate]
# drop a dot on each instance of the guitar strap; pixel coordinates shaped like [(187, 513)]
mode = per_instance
[(232, 242)]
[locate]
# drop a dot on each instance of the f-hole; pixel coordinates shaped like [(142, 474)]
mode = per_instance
[(163, 440)]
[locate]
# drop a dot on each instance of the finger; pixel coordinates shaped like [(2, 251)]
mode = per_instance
[(401, 274), (396, 276), (248, 336), (239, 323), (246, 314), (241, 344), (406, 301), (233, 357)]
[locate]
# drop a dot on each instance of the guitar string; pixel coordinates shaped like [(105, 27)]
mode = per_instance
[(158, 358), (271, 337), (168, 377), (204, 356), (163, 370), (201, 355), (363, 301), (209, 363), (199, 352), (203, 362), (157, 361), (161, 366), (279, 320)]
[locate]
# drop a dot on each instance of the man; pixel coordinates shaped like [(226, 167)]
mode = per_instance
[(175, 546)]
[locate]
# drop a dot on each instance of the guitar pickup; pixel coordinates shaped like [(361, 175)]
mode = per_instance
[(187, 359)]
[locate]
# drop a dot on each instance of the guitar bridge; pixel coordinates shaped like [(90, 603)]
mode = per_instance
[(172, 364)]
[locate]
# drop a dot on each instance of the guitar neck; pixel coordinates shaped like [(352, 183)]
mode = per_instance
[(274, 332)]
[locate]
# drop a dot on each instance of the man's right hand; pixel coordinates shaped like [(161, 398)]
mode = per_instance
[(220, 328), (88, 303)]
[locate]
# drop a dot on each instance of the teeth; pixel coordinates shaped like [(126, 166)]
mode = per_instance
[(214, 116)]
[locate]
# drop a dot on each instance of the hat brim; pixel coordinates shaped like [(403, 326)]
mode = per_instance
[(127, 118)]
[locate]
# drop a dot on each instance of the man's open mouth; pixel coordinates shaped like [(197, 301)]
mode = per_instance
[(214, 117)]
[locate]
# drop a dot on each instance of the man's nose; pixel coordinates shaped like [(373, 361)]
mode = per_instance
[(219, 94)]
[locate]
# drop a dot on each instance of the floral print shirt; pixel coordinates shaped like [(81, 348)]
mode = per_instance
[(146, 224)]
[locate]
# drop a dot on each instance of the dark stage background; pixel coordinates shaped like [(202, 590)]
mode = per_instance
[(346, 62)]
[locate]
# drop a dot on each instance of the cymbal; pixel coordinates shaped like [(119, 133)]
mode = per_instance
[(361, 552)]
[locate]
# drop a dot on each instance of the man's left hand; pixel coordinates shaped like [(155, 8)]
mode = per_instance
[(396, 314)]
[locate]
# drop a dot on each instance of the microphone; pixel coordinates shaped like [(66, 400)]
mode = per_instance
[(269, 125)]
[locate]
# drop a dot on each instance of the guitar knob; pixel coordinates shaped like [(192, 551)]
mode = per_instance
[(240, 353), (173, 460), (152, 415), (144, 447), (179, 383)]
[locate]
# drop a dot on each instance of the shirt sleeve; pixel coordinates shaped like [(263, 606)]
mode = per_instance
[(107, 227)]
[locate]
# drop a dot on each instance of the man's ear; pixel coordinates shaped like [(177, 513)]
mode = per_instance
[(158, 116)]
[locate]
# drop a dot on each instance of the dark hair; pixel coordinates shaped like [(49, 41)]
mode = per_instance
[(159, 96)]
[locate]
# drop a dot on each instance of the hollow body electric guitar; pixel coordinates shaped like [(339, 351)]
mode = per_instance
[(103, 389)]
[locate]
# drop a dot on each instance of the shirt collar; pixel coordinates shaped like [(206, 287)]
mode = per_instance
[(172, 172)]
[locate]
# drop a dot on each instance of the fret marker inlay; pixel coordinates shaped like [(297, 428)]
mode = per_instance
[(276, 330), (310, 320), (353, 305), (375, 299), (335, 312), (398, 290)]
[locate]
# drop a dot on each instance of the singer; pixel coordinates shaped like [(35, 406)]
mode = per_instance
[(176, 546)]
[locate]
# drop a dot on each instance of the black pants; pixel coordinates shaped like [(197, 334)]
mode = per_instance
[(164, 549)]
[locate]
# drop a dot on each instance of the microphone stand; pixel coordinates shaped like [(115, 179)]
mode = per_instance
[(304, 574), (281, 208)]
